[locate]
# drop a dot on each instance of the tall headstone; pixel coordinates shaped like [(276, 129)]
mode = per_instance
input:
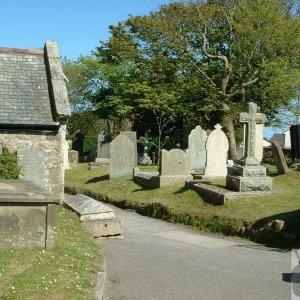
[(216, 151), (122, 157), (132, 136), (103, 145), (174, 167), (248, 174), (144, 158), (279, 158), (77, 143), (197, 141), (295, 142), (259, 139)]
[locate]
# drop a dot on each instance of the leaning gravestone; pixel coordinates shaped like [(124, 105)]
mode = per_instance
[(197, 140), (216, 149), (174, 167), (279, 158), (122, 157)]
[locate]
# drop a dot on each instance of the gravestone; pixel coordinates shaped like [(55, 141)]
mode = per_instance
[(216, 151), (97, 218), (248, 174), (77, 143), (73, 157), (132, 136), (122, 157), (144, 158), (295, 142), (174, 167), (104, 140), (259, 138), (197, 140), (279, 158)]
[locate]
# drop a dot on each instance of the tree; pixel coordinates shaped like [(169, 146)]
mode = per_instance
[(214, 55)]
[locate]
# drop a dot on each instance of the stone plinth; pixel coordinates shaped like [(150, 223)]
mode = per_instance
[(97, 218), (27, 215), (247, 184)]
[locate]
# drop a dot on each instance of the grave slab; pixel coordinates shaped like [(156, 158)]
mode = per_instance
[(97, 218)]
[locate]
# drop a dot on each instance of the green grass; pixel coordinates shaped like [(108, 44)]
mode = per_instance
[(68, 271), (179, 204)]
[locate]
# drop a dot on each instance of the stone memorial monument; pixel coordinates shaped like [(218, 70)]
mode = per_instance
[(279, 158), (248, 174), (104, 140), (216, 149), (196, 142)]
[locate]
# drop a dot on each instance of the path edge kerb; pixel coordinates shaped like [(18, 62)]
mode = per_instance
[(99, 288)]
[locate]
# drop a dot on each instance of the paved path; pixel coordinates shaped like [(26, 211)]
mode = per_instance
[(159, 260)]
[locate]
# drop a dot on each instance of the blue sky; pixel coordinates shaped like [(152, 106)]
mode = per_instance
[(76, 25)]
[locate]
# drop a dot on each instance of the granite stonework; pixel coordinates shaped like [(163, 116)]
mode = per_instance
[(248, 174), (122, 157), (217, 152), (278, 156), (73, 157), (33, 113), (103, 145), (27, 215), (174, 167), (97, 218), (132, 136), (196, 145)]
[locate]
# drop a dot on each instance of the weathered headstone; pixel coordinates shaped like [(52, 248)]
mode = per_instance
[(197, 141), (122, 157), (104, 140), (174, 167), (279, 158), (73, 156), (249, 175), (132, 136), (217, 151), (77, 143)]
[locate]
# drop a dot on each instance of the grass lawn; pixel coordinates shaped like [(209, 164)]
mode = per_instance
[(68, 271), (179, 204)]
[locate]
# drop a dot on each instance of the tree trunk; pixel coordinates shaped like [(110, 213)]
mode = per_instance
[(232, 142)]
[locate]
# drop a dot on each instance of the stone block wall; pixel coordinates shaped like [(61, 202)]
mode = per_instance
[(40, 155)]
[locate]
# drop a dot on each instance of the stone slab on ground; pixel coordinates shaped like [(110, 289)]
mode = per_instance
[(147, 179), (218, 197), (96, 217)]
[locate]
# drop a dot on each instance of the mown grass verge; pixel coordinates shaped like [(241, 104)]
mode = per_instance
[(68, 271), (248, 217)]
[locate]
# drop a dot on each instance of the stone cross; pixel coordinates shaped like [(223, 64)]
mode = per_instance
[(251, 119)]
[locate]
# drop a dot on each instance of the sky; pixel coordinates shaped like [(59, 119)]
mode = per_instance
[(76, 25)]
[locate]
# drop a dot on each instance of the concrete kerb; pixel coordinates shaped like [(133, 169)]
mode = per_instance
[(101, 281)]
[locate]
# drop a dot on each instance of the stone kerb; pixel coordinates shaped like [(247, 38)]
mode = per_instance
[(122, 157), (197, 141), (175, 167), (216, 148)]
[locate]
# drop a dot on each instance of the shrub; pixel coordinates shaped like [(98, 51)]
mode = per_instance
[(9, 168)]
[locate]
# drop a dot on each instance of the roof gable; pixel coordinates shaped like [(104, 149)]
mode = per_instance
[(28, 95)]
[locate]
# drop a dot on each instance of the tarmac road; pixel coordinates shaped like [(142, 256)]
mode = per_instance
[(160, 260)]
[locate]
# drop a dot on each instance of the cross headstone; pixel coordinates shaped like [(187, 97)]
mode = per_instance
[(252, 118)]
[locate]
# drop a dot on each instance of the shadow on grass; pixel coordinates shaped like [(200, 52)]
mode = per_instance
[(97, 179), (286, 238), (144, 188), (182, 190)]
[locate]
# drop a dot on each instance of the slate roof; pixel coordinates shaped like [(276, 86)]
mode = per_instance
[(32, 88)]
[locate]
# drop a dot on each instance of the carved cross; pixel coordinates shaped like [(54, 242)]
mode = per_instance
[(251, 119)]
